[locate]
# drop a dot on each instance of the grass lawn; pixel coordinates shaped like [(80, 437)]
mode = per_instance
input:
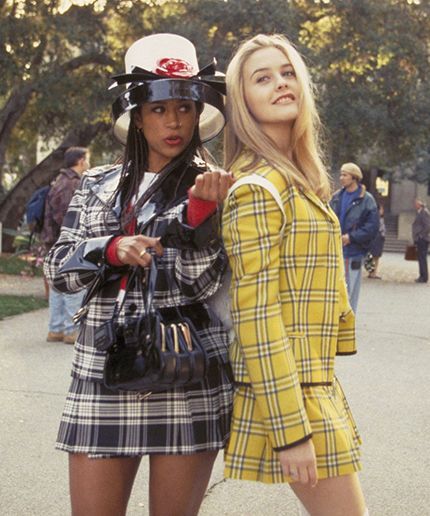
[(14, 305), (12, 264)]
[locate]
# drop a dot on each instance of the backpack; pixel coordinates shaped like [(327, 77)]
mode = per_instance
[(35, 209)]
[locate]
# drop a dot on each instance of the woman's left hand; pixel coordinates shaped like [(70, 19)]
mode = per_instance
[(132, 250), (212, 186)]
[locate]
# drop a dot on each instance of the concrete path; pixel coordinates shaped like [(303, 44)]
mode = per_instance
[(386, 384)]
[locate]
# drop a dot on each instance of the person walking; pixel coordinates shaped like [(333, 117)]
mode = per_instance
[(377, 246), (359, 221), (63, 306), (291, 422), (168, 108), (421, 238)]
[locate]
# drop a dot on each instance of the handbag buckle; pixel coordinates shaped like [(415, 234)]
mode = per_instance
[(187, 335), (80, 314), (175, 338)]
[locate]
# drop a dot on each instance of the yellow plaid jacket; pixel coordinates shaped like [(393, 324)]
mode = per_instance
[(289, 302)]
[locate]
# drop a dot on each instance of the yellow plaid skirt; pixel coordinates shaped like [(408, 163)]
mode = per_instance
[(249, 454)]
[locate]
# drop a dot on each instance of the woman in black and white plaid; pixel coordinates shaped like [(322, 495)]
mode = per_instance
[(168, 108)]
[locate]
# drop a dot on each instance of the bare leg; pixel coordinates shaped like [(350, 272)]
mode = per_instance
[(101, 487), (335, 496), (177, 483)]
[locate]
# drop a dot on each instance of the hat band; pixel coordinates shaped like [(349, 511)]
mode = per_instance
[(166, 89)]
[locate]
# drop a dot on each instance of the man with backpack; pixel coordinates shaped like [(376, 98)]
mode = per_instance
[(62, 307)]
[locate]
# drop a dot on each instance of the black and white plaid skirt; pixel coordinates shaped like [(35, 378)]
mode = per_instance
[(103, 423)]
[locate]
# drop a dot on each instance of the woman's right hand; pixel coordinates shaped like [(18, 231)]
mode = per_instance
[(132, 250), (299, 463), (213, 185)]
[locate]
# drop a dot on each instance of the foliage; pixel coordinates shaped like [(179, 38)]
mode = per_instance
[(15, 305), (370, 61)]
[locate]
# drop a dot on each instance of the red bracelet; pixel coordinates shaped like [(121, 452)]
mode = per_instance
[(111, 252)]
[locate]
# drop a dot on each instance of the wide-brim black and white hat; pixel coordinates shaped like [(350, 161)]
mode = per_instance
[(163, 67)]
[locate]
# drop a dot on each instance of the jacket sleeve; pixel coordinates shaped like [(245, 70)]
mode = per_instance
[(251, 231), (76, 259), (368, 226), (421, 226), (201, 258)]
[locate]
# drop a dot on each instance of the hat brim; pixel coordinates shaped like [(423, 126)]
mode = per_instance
[(211, 120)]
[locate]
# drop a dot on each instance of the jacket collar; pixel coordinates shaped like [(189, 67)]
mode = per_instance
[(70, 173), (106, 186), (362, 191)]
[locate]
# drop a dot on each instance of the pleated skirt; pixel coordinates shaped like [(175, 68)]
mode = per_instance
[(250, 456), (103, 423)]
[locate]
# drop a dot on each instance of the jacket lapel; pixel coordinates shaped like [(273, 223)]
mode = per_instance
[(324, 207)]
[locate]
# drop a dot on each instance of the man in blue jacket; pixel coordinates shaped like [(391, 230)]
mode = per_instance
[(359, 222)]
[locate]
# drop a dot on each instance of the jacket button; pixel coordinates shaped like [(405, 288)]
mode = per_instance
[(132, 307)]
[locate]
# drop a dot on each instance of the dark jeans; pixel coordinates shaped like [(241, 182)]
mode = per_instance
[(422, 250)]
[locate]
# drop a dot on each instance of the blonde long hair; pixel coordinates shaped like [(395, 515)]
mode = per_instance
[(306, 169)]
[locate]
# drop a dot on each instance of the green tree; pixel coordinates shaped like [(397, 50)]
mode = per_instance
[(45, 56), (56, 67), (371, 61)]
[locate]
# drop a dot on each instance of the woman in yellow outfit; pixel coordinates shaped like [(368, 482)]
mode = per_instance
[(291, 316)]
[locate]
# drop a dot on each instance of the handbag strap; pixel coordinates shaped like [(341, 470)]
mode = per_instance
[(255, 179)]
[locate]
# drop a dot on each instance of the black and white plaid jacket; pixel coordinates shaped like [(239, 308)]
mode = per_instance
[(195, 257)]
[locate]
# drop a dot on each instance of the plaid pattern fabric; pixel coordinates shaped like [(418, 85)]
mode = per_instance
[(250, 456), (289, 304), (198, 273), (103, 423)]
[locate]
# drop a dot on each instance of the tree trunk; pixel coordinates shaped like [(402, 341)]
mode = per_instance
[(12, 207), (9, 116), (17, 101)]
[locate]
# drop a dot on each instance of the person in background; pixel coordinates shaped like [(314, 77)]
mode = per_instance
[(290, 310), (161, 201), (377, 246), (421, 238), (359, 221), (63, 306)]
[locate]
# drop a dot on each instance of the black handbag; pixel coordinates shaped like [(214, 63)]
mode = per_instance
[(155, 352)]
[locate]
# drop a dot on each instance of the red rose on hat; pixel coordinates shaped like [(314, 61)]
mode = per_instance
[(171, 67)]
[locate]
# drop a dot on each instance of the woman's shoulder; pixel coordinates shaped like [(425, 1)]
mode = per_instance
[(246, 166)]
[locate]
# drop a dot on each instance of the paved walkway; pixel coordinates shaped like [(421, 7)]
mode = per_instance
[(386, 384), (21, 285), (393, 268)]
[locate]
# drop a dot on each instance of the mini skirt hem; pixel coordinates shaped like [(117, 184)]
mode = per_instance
[(255, 476)]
